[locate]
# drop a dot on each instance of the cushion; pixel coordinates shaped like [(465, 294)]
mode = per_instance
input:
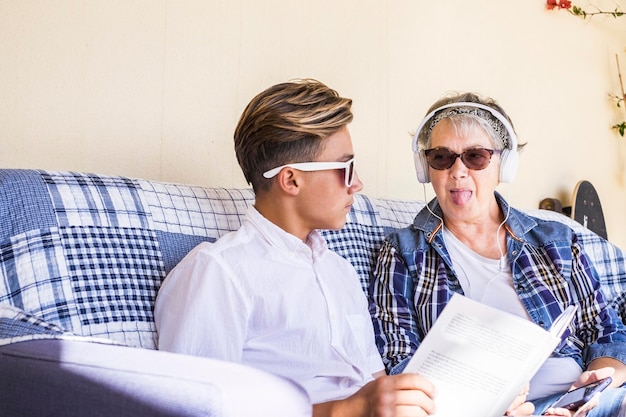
[(88, 252), (76, 378)]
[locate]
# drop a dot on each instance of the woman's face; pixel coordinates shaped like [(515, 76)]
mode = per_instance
[(464, 194)]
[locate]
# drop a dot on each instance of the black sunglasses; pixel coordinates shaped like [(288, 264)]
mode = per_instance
[(473, 158)]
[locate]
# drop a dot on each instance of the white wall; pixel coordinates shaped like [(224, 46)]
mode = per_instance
[(153, 89)]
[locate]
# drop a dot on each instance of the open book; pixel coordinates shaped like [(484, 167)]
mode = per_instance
[(480, 358)]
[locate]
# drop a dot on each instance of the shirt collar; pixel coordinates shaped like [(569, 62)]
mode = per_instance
[(315, 244), (429, 221)]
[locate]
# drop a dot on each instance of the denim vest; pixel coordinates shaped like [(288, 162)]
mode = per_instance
[(550, 271)]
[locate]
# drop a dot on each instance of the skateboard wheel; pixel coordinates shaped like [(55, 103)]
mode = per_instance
[(553, 204)]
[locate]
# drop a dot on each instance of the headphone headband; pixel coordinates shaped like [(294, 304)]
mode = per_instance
[(495, 113)]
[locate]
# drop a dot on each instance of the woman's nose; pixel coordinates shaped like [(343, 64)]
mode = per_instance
[(458, 169)]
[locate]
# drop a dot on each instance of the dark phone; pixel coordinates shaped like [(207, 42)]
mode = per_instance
[(576, 398)]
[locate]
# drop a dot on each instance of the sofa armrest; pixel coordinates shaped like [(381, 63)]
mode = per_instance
[(71, 377)]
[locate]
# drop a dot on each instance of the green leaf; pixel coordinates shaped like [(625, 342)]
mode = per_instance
[(621, 128)]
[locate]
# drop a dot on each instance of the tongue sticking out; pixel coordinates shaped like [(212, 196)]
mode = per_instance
[(460, 197)]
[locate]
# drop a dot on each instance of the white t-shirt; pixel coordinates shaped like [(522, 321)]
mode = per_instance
[(490, 281), (261, 297)]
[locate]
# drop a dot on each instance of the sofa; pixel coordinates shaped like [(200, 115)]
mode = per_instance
[(82, 257)]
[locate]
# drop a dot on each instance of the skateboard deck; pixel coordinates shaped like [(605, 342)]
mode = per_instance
[(586, 208)]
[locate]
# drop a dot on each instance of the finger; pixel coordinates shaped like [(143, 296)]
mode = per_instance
[(526, 388), (588, 377), (414, 399), (583, 409), (519, 400), (524, 409), (602, 373), (524, 393), (411, 411), (557, 412), (414, 382)]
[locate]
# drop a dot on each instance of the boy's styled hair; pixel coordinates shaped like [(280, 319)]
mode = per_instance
[(286, 124)]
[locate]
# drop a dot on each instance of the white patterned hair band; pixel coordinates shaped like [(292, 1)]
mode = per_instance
[(496, 125)]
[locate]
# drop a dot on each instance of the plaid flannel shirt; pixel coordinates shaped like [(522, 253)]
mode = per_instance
[(414, 278)]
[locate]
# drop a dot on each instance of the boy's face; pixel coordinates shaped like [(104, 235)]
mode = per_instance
[(324, 200)]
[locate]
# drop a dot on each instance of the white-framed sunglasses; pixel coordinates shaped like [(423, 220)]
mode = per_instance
[(347, 166)]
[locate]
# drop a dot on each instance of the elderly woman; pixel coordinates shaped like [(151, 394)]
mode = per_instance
[(469, 240)]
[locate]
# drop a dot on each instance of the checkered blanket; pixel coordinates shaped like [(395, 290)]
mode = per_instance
[(88, 252)]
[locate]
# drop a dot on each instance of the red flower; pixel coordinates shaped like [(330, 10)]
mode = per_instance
[(561, 4), (551, 4), (565, 4)]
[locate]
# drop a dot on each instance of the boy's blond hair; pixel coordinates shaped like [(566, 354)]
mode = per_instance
[(286, 124)]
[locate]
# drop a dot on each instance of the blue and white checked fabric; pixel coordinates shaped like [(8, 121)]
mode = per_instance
[(359, 240), (608, 260), (93, 269), (32, 265), (16, 325), (19, 326), (369, 221), (95, 200), (192, 210), (87, 253)]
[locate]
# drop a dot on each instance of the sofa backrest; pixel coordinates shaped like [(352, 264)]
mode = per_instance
[(88, 252)]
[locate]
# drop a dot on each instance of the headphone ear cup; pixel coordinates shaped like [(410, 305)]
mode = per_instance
[(509, 159), (421, 167)]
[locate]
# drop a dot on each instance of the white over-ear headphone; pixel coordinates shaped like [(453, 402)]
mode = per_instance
[(508, 158)]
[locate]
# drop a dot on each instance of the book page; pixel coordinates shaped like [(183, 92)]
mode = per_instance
[(564, 320), (479, 358)]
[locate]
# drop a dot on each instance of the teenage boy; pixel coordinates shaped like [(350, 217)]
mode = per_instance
[(271, 295)]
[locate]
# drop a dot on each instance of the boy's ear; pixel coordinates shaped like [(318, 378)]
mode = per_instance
[(289, 180)]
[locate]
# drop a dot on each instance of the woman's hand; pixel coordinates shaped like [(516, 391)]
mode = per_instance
[(581, 412), (520, 407), (585, 378)]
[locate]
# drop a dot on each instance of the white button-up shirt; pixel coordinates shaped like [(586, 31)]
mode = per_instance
[(262, 297)]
